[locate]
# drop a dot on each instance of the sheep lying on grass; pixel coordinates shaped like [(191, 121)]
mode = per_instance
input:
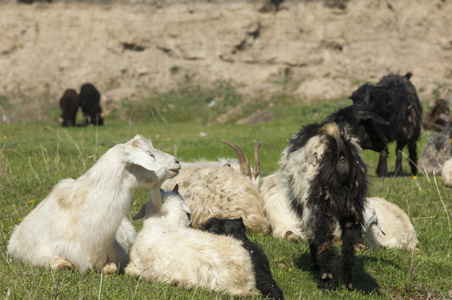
[(394, 98), (166, 250), (261, 267), (395, 229), (446, 173), (223, 189), (80, 224)]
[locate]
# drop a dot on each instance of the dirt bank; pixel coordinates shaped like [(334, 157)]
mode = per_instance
[(124, 49)]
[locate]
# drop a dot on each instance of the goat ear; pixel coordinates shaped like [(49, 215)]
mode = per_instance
[(176, 188), (141, 213), (366, 115), (143, 160)]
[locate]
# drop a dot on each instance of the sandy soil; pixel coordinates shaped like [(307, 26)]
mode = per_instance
[(124, 49)]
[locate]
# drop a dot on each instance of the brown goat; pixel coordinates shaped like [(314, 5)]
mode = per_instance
[(437, 116)]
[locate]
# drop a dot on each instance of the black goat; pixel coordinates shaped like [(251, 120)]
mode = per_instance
[(89, 98), (261, 267), (69, 105), (394, 98)]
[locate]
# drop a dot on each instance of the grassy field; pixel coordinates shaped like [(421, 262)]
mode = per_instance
[(35, 156)]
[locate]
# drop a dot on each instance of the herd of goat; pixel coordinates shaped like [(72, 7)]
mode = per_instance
[(202, 210)]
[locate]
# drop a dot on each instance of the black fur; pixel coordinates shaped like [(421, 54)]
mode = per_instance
[(89, 98), (336, 195), (69, 105), (394, 98), (235, 227)]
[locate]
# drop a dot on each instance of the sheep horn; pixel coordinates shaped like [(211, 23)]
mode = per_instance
[(244, 163), (257, 160)]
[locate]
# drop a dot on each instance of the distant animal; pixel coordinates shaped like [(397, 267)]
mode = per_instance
[(437, 117), (167, 250), (69, 105), (80, 225), (394, 98), (437, 150), (89, 98), (261, 267)]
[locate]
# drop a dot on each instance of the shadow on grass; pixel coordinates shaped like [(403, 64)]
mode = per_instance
[(361, 280)]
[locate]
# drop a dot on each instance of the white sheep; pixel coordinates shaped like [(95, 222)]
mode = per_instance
[(166, 250), (223, 189), (446, 172), (395, 229), (80, 224)]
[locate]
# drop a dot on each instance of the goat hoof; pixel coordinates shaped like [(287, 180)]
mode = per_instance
[(60, 264), (348, 286), (110, 268), (323, 285)]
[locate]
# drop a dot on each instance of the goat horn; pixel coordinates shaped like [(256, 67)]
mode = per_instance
[(257, 160), (244, 163)]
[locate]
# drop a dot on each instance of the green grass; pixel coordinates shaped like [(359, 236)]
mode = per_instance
[(35, 156)]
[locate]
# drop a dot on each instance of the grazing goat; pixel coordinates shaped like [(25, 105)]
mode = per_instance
[(89, 98), (446, 173), (166, 250), (394, 98), (69, 105), (437, 117), (324, 178), (394, 228), (223, 189), (261, 267), (80, 224)]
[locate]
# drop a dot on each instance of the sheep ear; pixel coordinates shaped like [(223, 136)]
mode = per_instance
[(141, 213), (143, 160)]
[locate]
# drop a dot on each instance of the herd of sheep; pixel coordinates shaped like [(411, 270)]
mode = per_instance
[(202, 210)]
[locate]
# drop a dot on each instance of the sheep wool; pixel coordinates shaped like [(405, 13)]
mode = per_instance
[(166, 250)]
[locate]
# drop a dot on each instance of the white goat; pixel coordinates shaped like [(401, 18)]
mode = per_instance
[(166, 250), (446, 172), (395, 231), (80, 224), (224, 189)]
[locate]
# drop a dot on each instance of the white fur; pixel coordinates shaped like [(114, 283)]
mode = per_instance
[(301, 167), (218, 189), (168, 251), (446, 172), (395, 223), (283, 221), (76, 225)]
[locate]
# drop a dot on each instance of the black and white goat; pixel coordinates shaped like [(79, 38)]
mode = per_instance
[(261, 267), (323, 176), (394, 98)]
